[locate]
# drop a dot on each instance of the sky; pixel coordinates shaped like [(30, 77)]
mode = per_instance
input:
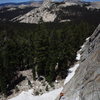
[(17, 1)]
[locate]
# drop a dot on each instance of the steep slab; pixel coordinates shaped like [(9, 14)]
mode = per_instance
[(85, 85)]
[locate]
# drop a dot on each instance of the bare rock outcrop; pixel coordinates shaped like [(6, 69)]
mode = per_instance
[(85, 85), (45, 13), (35, 15)]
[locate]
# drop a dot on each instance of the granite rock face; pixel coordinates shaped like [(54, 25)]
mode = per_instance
[(47, 12), (35, 15), (51, 11), (85, 85)]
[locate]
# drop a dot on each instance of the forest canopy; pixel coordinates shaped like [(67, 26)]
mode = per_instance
[(39, 47)]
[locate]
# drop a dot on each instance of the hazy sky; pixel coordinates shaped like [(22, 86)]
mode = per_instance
[(16, 1), (6, 1)]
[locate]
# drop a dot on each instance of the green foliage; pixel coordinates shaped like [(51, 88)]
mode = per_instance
[(29, 83), (47, 89), (39, 47), (16, 89), (36, 93)]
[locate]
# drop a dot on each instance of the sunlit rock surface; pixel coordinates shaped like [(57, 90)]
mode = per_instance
[(85, 85)]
